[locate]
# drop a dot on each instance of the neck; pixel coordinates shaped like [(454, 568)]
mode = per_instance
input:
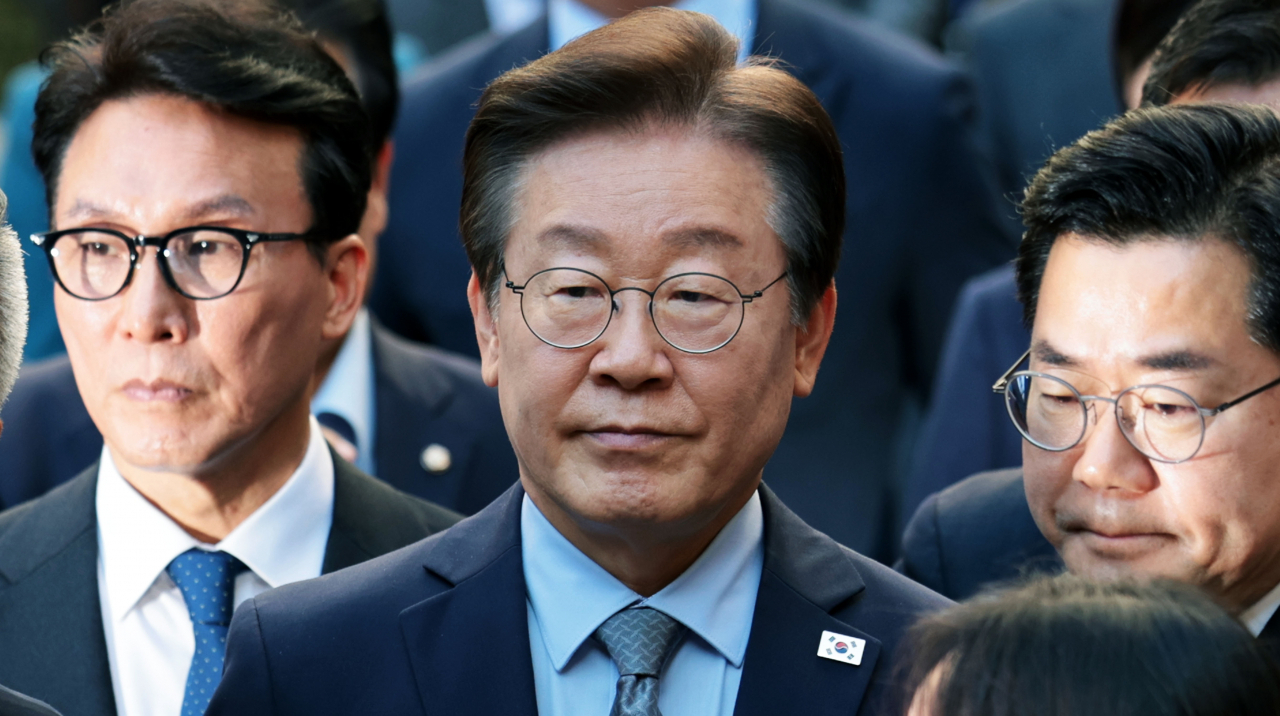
[(211, 500), (646, 558), (614, 9)]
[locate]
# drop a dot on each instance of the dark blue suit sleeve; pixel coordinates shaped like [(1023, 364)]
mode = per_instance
[(246, 676), (921, 558)]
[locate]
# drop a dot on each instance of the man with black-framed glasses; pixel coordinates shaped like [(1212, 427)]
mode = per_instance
[(208, 167), (1146, 400)]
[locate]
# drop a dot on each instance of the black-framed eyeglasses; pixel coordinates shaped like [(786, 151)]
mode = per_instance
[(1163, 423), (199, 262), (693, 312)]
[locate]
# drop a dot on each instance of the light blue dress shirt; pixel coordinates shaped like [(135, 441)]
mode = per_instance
[(568, 19), (349, 391), (570, 596)]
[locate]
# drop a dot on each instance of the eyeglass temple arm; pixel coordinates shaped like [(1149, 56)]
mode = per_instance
[(1232, 403), (1003, 382), (749, 297)]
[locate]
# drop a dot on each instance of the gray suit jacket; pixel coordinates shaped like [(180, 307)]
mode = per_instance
[(54, 648)]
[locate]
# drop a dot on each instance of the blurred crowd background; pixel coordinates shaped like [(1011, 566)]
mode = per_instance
[(866, 450)]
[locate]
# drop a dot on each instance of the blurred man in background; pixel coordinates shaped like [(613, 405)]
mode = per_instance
[(903, 115), (208, 165), (417, 417)]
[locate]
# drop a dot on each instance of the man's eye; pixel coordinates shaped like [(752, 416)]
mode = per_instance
[(578, 292)]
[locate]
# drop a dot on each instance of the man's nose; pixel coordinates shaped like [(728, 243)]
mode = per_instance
[(631, 353), (152, 311), (1108, 460)]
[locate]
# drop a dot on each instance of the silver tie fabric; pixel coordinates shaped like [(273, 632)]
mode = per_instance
[(640, 640)]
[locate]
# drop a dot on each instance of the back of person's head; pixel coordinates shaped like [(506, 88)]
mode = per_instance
[(1216, 43), (13, 305), (1065, 646), (359, 33), (654, 68), (1177, 173), (1139, 27), (248, 59)]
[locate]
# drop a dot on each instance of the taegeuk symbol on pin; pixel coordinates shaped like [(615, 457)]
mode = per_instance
[(838, 647)]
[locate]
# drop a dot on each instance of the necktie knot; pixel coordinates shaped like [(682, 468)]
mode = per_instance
[(639, 640), (207, 580)]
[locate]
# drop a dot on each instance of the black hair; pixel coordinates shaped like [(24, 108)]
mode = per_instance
[(247, 59), (362, 30), (1195, 172), (1217, 42), (665, 66), (1066, 646)]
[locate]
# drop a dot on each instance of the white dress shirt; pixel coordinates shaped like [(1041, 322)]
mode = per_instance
[(570, 596), (150, 640), (567, 19), (1255, 618), (350, 390)]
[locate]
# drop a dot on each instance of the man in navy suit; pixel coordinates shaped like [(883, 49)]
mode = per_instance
[(13, 334), (208, 166), (417, 417), (980, 530), (903, 117), (654, 232)]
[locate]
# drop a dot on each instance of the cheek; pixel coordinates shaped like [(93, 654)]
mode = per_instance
[(1045, 476)]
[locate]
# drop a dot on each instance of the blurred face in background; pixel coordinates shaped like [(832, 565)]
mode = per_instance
[(1171, 313), (176, 384)]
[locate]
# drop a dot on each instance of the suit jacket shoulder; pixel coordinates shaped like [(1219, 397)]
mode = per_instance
[(371, 518), (430, 397), (417, 628), (976, 533), (13, 703), (48, 436), (50, 616)]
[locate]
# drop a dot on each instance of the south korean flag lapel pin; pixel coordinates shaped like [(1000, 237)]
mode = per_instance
[(841, 648)]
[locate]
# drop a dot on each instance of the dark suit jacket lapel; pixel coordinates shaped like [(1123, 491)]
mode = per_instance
[(469, 646), (356, 535), (49, 604), (806, 576), (1270, 637)]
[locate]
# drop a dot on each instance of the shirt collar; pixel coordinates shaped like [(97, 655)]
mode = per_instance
[(348, 389), (572, 596), (568, 19), (283, 541), (1255, 618)]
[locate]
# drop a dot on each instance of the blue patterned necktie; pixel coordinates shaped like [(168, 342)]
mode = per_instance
[(207, 581), (640, 640)]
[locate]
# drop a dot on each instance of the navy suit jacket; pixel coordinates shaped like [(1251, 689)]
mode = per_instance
[(1043, 72), (424, 396), (920, 220), (13, 703), (54, 648), (441, 627), (967, 429), (976, 534)]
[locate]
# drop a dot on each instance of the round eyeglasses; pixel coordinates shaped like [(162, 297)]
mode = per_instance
[(1163, 423), (199, 262), (693, 312)]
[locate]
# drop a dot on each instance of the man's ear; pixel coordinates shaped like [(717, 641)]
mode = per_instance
[(812, 339), (486, 331), (347, 271)]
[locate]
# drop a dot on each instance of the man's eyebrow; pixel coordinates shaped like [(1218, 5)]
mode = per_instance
[(1046, 353), (702, 237), (572, 237), (1178, 360), (84, 209), (232, 205)]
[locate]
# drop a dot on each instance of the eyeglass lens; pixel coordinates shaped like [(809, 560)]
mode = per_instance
[(96, 264), (568, 308), (1160, 422)]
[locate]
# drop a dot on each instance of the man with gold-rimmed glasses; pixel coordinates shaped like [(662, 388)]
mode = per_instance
[(1148, 276)]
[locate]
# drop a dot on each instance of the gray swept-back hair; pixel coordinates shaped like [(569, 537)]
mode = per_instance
[(13, 304)]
